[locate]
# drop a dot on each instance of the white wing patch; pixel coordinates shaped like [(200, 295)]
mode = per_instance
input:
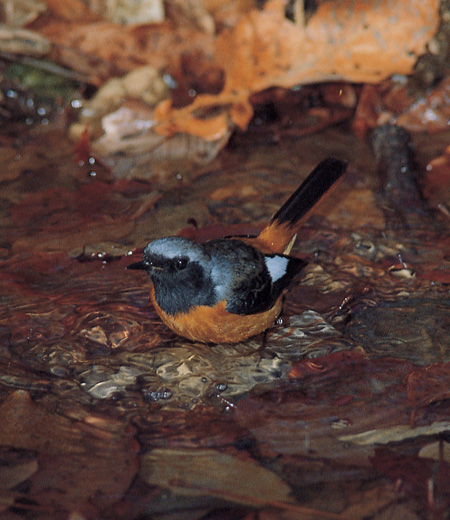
[(277, 266)]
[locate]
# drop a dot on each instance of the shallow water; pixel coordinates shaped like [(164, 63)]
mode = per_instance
[(106, 413)]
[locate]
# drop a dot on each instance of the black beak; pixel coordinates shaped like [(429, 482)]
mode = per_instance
[(139, 265)]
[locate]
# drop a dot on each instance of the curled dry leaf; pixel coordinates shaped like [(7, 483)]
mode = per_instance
[(131, 148), (129, 144)]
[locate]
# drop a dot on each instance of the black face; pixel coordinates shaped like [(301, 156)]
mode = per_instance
[(180, 284)]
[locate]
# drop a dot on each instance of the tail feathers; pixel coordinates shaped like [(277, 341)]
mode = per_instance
[(312, 189), (279, 235)]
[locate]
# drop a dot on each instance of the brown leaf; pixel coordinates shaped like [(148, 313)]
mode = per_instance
[(342, 41), (81, 46), (210, 472), (347, 41), (78, 459)]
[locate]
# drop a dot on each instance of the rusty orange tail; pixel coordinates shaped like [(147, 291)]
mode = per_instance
[(279, 235)]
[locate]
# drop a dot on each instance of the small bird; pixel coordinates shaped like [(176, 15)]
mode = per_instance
[(229, 289)]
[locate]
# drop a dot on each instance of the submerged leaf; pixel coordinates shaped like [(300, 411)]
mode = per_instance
[(210, 472), (75, 456)]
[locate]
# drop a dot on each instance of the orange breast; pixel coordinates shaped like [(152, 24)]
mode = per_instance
[(215, 324)]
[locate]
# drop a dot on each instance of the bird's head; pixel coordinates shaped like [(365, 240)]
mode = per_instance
[(180, 270)]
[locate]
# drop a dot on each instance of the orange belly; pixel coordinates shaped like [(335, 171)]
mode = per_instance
[(215, 324)]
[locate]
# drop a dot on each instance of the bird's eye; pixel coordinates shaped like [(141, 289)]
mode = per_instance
[(181, 263)]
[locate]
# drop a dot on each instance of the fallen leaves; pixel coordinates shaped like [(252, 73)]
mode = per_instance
[(80, 46), (210, 472), (341, 41), (74, 457), (133, 149), (356, 42), (235, 478)]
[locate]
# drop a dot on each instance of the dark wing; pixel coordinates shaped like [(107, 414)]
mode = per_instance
[(254, 280), (293, 267)]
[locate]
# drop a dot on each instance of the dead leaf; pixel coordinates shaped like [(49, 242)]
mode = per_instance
[(81, 47), (342, 41), (132, 148), (359, 42), (210, 472), (78, 459)]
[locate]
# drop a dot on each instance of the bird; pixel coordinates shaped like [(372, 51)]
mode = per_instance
[(229, 289)]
